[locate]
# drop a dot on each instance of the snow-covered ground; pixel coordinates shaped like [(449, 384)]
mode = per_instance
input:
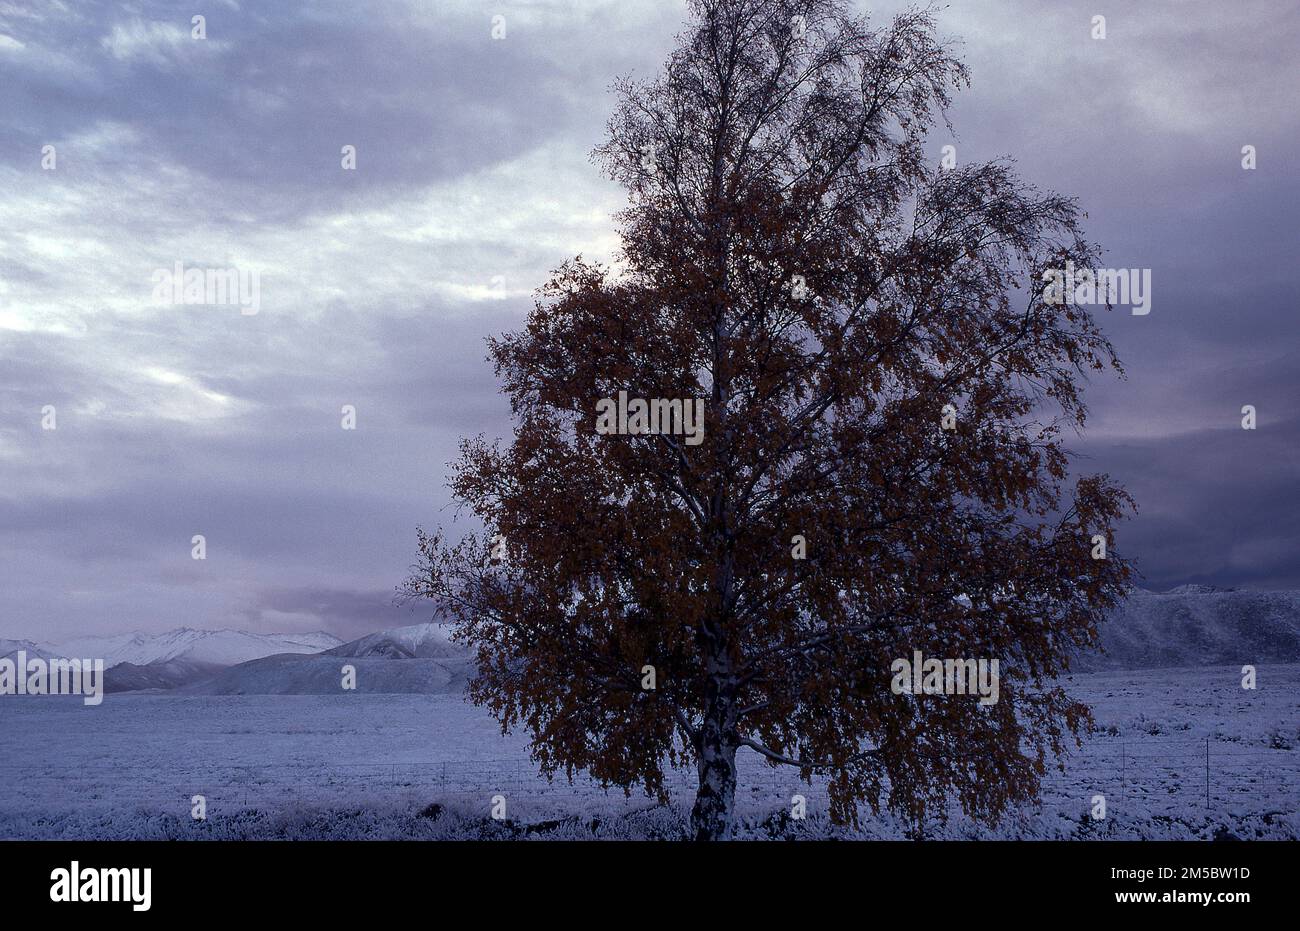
[(354, 765)]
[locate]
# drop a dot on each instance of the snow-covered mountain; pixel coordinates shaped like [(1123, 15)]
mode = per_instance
[(10, 648), (1188, 626), (420, 659), (1200, 625), (164, 675), (211, 647), (134, 661), (419, 640)]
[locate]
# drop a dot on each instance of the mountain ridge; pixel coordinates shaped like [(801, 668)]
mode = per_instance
[(1199, 625), (1187, 626), (419, 658), (219, 646)]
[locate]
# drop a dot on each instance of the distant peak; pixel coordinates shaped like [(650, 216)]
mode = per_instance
[(1195, 589)]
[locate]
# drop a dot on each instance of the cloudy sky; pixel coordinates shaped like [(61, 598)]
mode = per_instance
[(378, 285)]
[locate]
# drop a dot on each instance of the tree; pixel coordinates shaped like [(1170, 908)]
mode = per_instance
[(874, 402)]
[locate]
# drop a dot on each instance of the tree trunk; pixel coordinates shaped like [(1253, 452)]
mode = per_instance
[(715, 799), (716, 763)]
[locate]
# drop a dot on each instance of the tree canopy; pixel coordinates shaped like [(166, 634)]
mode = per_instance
[(886, 397)]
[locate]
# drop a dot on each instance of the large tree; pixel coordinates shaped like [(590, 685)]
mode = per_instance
[(886, 388)]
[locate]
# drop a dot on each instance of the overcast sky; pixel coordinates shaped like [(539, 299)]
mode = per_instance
[(378, 285)]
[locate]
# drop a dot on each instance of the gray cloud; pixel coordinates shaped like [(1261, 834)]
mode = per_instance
[(379, 285), (1217, 506)]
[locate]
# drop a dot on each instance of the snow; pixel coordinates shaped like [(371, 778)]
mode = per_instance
[(213, 647), (9, 649), (1196, 625), (419, 640), (279, 750), (367, 765)]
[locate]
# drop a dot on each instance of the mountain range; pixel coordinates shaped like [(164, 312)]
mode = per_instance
[(1193, 625), (135, 660), (1199, 625), (420, 659)]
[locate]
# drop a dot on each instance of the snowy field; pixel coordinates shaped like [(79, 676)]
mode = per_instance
[(427, 766)]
